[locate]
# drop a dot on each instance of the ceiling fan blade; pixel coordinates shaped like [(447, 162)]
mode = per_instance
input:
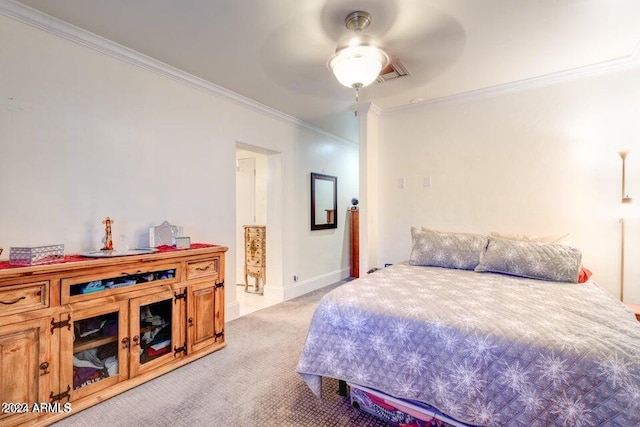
[(424, 38), (295, 56)]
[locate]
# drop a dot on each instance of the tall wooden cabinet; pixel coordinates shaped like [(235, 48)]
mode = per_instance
[(354, 239), (255, 255), (75, 333)]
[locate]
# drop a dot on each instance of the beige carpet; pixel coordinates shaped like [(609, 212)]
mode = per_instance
[(251, 382)]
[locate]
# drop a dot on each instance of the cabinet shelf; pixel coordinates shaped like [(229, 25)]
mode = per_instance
[(122, 280), (87, 344)]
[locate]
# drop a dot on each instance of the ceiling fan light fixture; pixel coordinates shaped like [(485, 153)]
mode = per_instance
[(358, 65), (358, 60)]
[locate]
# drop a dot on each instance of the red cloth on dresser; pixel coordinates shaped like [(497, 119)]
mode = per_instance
[(79, 258), (67, 258)]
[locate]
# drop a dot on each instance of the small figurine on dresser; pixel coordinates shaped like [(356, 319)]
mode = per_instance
[(108, 241)]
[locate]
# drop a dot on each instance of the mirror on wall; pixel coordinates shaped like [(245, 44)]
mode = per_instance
[(324, 201)]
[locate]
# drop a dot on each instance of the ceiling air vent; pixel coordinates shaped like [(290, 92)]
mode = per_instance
[(394, 70)]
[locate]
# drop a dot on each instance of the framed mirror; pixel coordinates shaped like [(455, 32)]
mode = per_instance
[(324, 201)]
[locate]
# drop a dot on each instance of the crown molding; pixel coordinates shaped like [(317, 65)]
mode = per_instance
[(365, 108), (614, 65), (374, 108), (57, 27)]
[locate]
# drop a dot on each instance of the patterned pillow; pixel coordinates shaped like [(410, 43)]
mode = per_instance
[(558, 263), (561, 239), (449, 250)]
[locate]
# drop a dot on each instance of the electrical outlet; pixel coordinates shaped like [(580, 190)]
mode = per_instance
[(295, 277)]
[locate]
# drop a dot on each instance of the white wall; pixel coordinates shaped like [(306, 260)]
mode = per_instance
[(84, 136), (542, 161), (320, 248)]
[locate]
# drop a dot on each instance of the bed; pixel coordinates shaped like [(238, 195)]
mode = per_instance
[(491, 345)]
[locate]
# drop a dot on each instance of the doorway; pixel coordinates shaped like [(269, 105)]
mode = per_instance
[(255, 181)]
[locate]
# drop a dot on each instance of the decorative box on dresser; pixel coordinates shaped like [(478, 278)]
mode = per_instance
[(255, 255), (77, 332)]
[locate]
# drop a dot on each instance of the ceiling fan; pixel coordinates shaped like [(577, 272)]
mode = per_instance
[(397, 38), (358, 59)]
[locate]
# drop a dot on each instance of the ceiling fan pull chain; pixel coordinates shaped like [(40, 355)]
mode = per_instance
[(357, 99)]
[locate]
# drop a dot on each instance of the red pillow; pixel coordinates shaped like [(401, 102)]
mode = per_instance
[(584, 275)]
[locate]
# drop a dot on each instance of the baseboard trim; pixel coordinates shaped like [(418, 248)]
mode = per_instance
[(314, 283), (276, 294), (231, 311)]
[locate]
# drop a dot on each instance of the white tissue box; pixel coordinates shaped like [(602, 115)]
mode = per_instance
[(183, 242)]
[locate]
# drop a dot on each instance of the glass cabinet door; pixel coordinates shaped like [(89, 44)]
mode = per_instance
[(94, 349), (156, 329)]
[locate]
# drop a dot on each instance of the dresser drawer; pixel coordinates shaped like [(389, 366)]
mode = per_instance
[(25, 297), (254, 245), (209, 267)]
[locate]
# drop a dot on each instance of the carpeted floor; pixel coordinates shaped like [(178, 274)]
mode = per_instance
[(251, 382)]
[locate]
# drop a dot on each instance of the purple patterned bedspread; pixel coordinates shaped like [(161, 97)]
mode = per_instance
[(485, 348)]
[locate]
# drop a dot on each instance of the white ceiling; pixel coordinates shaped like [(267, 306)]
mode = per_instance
[(275, 51)]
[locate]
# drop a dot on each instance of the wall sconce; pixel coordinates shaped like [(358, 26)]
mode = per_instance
[(626, 210)]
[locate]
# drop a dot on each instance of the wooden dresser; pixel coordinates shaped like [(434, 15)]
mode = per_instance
[(77, 332), (255, 255)]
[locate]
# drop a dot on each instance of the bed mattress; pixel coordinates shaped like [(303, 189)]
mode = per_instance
[(483, 348)]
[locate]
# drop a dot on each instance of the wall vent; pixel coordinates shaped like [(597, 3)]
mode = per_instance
[(394, 70)]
